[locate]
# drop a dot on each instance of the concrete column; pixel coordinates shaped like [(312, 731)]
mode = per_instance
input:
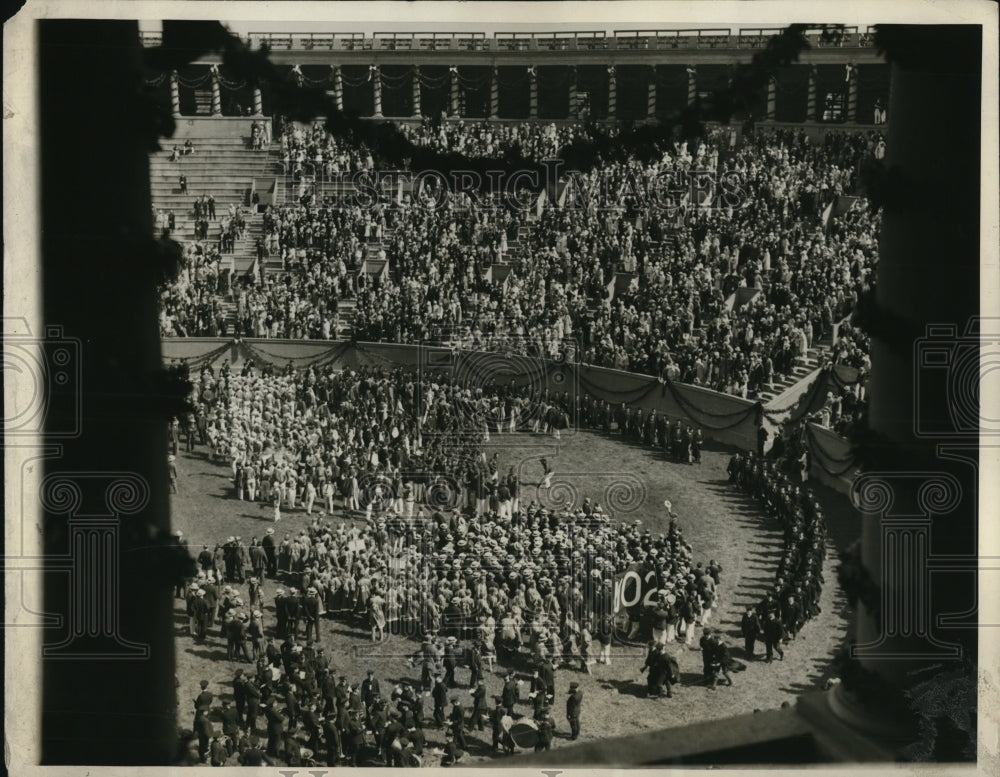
[(852, 94), (454, 93), (216, 92), (918, 501), (258, 102), (175, 95), (612, 93), (692, 84), (416, 90), (377, 88), (651, 94), (338, 88), (533, 92), (811, 96), (772, 95), (494, 95), (574, 110)]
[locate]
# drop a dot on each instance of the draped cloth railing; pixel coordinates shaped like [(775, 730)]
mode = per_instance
[(726, 419), (832, 461)]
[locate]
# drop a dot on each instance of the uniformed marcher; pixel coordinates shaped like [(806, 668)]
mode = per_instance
[(772, 637)]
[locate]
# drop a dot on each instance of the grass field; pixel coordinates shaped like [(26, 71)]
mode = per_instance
[(718, 521)]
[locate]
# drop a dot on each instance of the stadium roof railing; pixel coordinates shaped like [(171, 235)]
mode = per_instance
[(563, 40)]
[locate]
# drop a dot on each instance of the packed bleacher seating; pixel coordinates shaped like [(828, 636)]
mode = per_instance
[(681, 316)]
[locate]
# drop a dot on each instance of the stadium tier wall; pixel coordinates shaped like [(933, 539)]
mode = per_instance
[(723, 418)]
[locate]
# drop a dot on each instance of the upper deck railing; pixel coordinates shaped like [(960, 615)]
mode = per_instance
[(568, 40)]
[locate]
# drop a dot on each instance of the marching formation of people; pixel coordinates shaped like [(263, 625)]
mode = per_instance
[(794, 597), (412, 547)]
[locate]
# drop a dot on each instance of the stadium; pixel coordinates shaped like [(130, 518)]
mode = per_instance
[(521, 399)]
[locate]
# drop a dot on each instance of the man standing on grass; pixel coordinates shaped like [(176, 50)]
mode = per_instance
[(574, 704), (750, 627)]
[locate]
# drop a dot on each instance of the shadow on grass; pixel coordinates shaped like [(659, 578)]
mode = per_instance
[(625, 687)]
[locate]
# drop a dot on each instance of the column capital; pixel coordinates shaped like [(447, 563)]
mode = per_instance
[(906, 497)]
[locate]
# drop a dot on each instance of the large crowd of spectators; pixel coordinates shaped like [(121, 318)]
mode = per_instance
[(495, 140), (730, 297), (677, 318), (190, 305)]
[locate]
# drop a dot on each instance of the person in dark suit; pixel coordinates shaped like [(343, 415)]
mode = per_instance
[(269, 550), (230, 724), (772, 637), (331, 738), (719, 661), (253, 705), (791, 615), (574, 704), (705, 643), (547, 673), (452, 752), (450, 661), (253, 755), (510, 694), (440, 695), (292, 706), (416, 736), (258, 558), (496, 719), (200, 611), (354, 737), (457, 719), (370, 691), (479, 710), (310, 612), (219, 752), (750, 627), (205, 698), (275, 727), (240, 695), (658, 671), (546, 730), (475, 666), (204, 730), (311, 723)]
